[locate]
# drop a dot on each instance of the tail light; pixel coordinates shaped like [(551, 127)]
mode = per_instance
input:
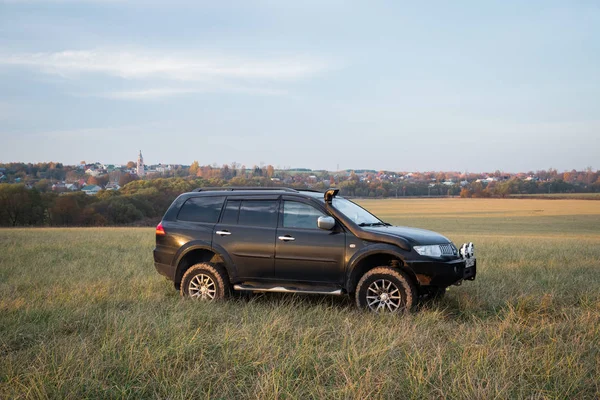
[(160, 230)]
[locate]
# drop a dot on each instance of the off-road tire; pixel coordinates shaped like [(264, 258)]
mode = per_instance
[(216, 273), (403, 282)]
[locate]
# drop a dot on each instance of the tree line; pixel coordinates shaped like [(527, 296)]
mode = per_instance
[(144, 202)]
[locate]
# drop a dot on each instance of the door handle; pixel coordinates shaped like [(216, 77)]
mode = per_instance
[(287, 238), (223, 233)]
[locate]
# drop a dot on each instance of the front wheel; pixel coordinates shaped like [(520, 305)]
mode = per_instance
[(386, 289), (204, 281)]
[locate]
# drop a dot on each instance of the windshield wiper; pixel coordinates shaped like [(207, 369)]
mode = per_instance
[(372, 224)]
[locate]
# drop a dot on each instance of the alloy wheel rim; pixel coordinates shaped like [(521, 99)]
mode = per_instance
[(384, 295), (202, 287)]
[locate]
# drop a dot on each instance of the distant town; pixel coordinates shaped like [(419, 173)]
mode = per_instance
[(92, 178), (98, 194)]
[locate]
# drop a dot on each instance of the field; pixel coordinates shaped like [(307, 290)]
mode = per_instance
[(83, 314), (581, 196)]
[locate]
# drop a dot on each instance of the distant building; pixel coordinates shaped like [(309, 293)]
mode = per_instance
[(92, 172), (91, 189), (140, 166), (163, 168)]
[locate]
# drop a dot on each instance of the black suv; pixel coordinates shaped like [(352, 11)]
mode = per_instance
[(214, 241)]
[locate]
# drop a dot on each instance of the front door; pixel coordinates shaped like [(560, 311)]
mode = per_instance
[(246, 232), (303, 252)]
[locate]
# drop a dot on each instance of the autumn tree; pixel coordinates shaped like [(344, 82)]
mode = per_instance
[(194, 168), (102, 180), (73, 176), (126, 178), (226, 172), (114, 176), (131, 164), (270, 171)]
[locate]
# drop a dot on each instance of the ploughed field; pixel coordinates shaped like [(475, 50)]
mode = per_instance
[(83, 314)]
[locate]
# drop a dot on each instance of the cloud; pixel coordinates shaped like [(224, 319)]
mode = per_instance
[(94, 134), (175, 73), (157, 93), (176, 67)]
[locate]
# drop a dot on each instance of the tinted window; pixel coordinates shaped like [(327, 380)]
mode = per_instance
[(201, 209), (300, 215), (258, 213), (232, 210)]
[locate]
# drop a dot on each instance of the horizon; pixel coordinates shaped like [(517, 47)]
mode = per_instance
[(388, 86), (297, 168)]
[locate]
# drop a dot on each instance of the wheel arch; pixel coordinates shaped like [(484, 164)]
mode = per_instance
[(197, 253), (382, 255)]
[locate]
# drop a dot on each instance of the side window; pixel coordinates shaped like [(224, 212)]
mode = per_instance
[(231, 213), (300, 215), (258, 213), (201, 209)]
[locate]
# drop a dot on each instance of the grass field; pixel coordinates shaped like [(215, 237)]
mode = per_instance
[(83, 314), (582, 196)]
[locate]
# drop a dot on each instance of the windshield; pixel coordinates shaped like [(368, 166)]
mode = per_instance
[(357, 214)]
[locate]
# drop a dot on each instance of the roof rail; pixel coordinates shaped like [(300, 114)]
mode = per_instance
[(233, 188)]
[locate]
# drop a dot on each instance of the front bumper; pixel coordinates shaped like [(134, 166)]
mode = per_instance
[(443, 273)]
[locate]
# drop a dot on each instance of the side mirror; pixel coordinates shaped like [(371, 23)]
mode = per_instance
[(326, 223)]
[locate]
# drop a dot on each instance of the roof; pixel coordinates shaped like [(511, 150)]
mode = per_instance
[(244, 188), (253, 191), (91, 187)]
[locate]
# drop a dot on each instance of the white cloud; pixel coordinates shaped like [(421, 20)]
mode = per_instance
[(177, 67), (177, 74), (157, 93)]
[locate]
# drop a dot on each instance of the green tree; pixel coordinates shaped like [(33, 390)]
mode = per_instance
[(42, 185), (15, 204)]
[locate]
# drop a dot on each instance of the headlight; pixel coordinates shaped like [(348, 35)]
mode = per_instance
[(429, 251)]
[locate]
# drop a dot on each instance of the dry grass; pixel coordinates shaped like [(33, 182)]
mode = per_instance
[(480, 208), (84, 315)]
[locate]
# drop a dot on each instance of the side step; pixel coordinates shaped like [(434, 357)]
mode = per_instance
[(289, 289)]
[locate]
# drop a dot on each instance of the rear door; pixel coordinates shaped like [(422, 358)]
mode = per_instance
[(247, 233), (303, 252)]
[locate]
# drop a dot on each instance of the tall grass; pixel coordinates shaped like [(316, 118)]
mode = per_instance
[(83, 314)]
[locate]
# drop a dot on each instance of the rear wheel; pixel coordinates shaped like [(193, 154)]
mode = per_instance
[(204, 281), (386, 289)]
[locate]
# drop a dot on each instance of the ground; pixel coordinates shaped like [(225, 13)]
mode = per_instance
[(83, 314)]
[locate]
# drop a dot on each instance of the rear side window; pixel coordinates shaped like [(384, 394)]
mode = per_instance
[(258, 213), (201, 209)]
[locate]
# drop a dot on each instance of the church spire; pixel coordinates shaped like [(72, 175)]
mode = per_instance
[(140, 165)]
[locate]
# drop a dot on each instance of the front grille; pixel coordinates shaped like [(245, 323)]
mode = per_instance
[(448, 249)]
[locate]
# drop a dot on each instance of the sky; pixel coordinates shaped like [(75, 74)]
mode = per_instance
[(403, 86)]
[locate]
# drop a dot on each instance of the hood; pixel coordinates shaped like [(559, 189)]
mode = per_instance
[(415, 236)]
